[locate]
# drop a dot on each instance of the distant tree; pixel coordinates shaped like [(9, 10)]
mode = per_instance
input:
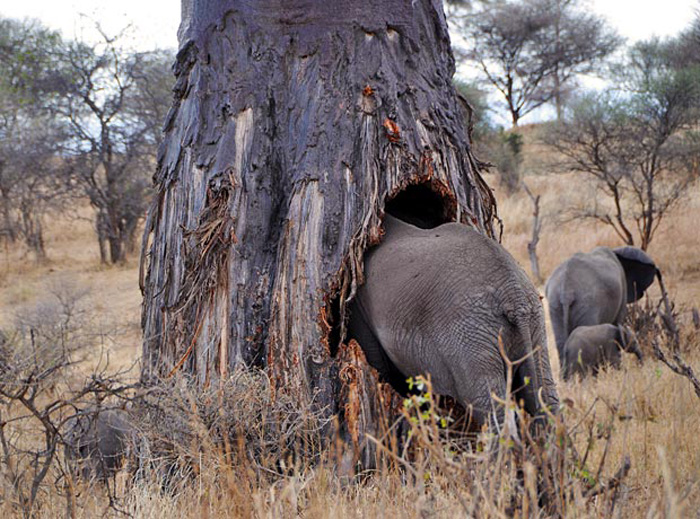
[(114, 101), (581, 42), (30, 183), (27, 57), (152, 97), (686, 51), (640, 147), (532, 50), (30, 137), (479, 124), (501, 149)]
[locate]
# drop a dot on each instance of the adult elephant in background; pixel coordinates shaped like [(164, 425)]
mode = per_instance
[(595, 287), (435, 301)]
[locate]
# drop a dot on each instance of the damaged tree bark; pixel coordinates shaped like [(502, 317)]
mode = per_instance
[(293, 123)]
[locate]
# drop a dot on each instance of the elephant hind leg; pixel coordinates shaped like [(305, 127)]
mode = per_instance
[(359, 329), (530, 377), (485, 404), (525, 388)]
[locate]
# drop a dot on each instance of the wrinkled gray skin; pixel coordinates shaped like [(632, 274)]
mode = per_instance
[(588, 348), (435, 301), (595, 288), (98, 441)]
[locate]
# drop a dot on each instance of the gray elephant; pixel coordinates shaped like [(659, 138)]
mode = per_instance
[(588, 348), (595, 288), (435, 301), (98, 441)]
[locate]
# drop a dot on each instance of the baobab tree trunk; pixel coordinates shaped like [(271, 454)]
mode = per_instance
[(294, 123)]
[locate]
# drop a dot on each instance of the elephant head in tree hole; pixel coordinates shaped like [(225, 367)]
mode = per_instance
[(435, 301), (595, 287)]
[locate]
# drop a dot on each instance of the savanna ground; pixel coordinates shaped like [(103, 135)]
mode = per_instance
[(651, 414)]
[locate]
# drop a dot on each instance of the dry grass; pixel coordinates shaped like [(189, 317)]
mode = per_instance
[(654, 414), (74, 257)]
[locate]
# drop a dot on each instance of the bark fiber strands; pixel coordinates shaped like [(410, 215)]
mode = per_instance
[(292, 124)]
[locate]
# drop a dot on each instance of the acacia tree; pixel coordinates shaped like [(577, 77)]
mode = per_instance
[(30, 178), (30, 136), (532, 50), (294, 124), (581, 42), (502, 148), (114, 102), (640, 148)]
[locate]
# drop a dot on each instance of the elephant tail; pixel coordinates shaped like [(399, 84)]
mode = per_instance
[(566, 316), (560, 309), (566, 305)]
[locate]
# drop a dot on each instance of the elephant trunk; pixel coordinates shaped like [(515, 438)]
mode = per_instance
[(634, 348), (630, 343)]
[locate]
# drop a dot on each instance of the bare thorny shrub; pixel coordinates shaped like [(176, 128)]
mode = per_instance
[(660, 335), (238, 430), (41, 388)]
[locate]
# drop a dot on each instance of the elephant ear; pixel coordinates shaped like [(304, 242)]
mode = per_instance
[(639, 269)]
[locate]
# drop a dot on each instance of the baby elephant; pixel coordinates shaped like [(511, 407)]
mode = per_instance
[(590, 347), (98, 441)]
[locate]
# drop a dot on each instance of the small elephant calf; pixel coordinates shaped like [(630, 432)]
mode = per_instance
[(590, 347), (98, 441)]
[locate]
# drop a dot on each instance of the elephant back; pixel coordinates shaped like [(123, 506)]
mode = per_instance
[(440, 301), (594, 286)]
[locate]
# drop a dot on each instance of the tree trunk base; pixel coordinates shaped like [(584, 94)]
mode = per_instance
[(292, 130)]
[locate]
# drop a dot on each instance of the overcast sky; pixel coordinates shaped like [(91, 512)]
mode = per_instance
[(155, 22)]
